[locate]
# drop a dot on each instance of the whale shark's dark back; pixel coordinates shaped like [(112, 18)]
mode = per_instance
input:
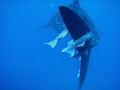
[(75, 25)]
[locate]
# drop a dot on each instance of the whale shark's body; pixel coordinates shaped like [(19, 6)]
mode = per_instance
[(81, 29), (56, 21), (84, 37)]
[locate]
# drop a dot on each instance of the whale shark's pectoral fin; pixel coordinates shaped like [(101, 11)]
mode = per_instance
[(42, 27), (61, 35)]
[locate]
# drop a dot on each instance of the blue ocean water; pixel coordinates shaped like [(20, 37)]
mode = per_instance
[(27, 64)]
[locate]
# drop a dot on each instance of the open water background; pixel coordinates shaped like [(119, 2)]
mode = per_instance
[(27, 64)]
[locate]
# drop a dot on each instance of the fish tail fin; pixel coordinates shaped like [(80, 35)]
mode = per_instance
[(52, 43), (69, 50)]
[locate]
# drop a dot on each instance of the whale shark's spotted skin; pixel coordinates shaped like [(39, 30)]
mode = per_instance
[(85, 37), (83, 15), (56, 21)]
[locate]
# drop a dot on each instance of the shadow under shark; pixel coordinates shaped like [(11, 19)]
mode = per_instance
[(84, 37)]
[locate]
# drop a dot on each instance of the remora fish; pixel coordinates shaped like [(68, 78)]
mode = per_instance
[(84, 36)]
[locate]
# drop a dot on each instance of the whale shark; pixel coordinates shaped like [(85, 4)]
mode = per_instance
[(58, 24), (56, 21), (85, 36), (74, 20)]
